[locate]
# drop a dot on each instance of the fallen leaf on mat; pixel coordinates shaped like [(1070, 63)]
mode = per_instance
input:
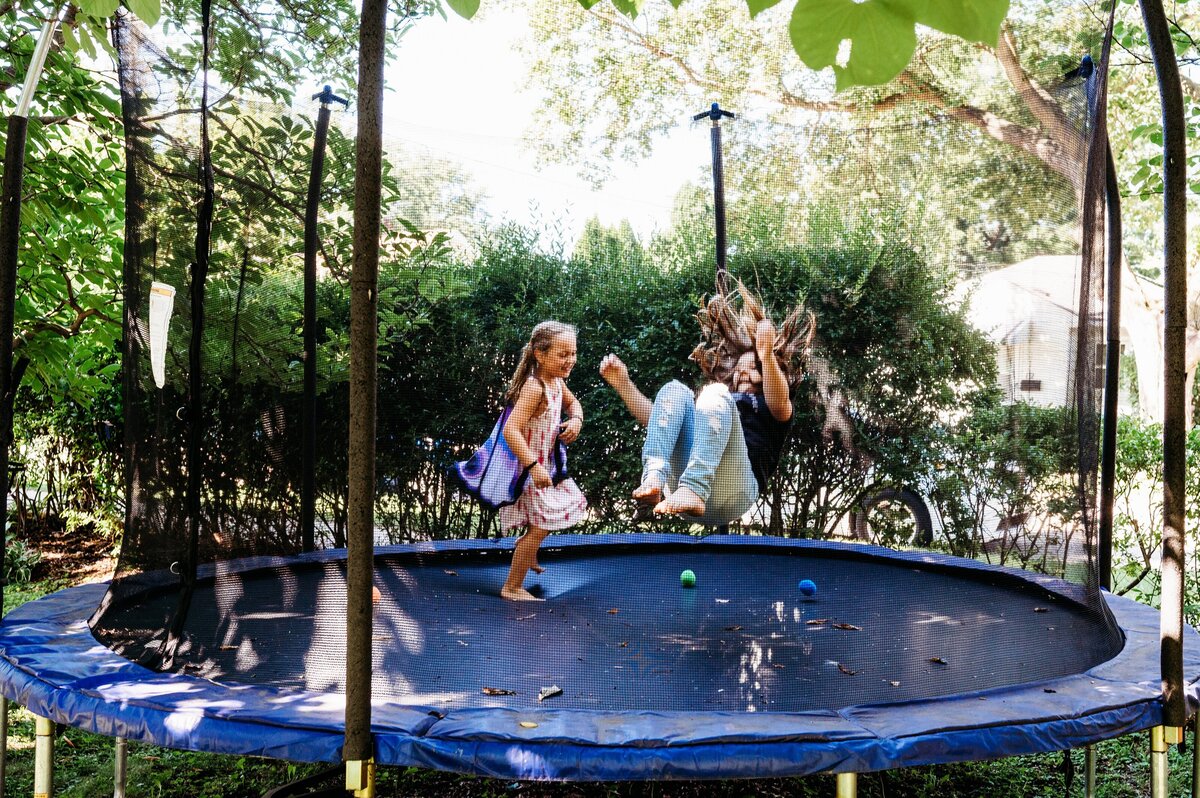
[(849, 627), (893, 684), (817, 621), (624, 644), (733, 628), (613, 611), (846, 670), (229, 648), (450, 573), (937, 661), (498, 691), (549, 692), (1040, 609)]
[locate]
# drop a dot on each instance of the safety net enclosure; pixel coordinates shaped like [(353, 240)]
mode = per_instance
[(916, 580)]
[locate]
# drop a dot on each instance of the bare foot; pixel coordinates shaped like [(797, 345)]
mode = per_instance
[(518, 594), (649, 492), (537, 569), (682, 502)]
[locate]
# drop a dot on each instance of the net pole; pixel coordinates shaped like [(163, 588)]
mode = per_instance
[(1112, 364), (10, 235), (357, 751), (718, 169), (308, 439), (716, 113), (195, 406), (1174, 330)]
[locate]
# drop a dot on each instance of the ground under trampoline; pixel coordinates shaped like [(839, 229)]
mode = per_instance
[(899, 659)]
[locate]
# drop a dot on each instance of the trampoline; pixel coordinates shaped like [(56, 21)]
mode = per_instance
[(227, 626), (900, 659)]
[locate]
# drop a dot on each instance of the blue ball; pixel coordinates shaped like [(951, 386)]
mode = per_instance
[(808, 587)]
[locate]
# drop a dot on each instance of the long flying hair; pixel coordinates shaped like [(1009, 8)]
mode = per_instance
[(540, 340), (728, 326)]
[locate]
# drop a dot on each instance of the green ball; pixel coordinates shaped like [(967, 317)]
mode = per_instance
[(688, 578)]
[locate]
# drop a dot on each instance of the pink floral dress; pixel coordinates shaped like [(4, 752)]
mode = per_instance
[(559, 506)]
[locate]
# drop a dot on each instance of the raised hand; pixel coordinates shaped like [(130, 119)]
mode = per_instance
[(613, 370), (764, 338)]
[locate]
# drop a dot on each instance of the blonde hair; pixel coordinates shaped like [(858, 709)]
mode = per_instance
[(728, 333), (540, 340)]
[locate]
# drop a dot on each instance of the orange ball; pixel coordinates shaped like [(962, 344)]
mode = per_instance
[(376, 596)]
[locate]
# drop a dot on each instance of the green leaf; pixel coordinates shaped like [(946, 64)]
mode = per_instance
[(629, 8), (973, 20), (464, 8), (69, 40), (148, 11), (85, 40), (882, 38), (758, 6), (99, 8), (98, 30)]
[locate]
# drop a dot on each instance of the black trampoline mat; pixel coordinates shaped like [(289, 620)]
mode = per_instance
[(618, 632)]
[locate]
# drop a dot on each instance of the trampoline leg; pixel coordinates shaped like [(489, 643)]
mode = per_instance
[(3, 743), (360, 778), (43, 758), (120, 757), (1195, 757), (1089, 771), (847, 785), (1161, 740)]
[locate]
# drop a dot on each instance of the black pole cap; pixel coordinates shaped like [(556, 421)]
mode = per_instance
[(327, 97), (714, 113), (1083, 71)]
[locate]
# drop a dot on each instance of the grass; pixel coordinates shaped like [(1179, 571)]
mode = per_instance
[(84, 769)]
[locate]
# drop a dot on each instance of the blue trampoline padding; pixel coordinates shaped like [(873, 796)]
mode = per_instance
[(51, 663)]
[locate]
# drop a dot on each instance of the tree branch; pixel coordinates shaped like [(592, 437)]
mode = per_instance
[(1043, 107), (1064, 160), (63, 330)]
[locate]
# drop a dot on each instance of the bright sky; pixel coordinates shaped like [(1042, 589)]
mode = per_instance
[(456, 88)]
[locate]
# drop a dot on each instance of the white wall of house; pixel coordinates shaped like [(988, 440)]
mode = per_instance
[(1028, 310)]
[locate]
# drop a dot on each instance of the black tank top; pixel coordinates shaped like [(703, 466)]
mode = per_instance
[(765, 436)]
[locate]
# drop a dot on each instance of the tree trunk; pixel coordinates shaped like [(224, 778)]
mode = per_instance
[(1142, 319)]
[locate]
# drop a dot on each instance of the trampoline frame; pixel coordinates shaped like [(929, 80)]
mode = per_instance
[(51, 663)]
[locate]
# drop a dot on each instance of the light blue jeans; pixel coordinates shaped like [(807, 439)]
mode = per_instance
[(697, 441)]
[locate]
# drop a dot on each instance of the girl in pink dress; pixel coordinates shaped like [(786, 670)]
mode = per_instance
[(539, 396)]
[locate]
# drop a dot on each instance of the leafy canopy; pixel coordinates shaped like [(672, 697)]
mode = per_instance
[(882, 34)]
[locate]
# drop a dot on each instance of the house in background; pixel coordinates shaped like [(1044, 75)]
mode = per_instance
[(1028, 311)]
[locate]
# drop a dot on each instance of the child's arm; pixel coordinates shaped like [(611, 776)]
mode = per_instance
[(569, 429), (616, 374), (525, 408), (774, 382)]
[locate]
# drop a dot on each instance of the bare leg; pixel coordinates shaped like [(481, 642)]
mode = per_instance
[(524, 556), (683, 501)]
